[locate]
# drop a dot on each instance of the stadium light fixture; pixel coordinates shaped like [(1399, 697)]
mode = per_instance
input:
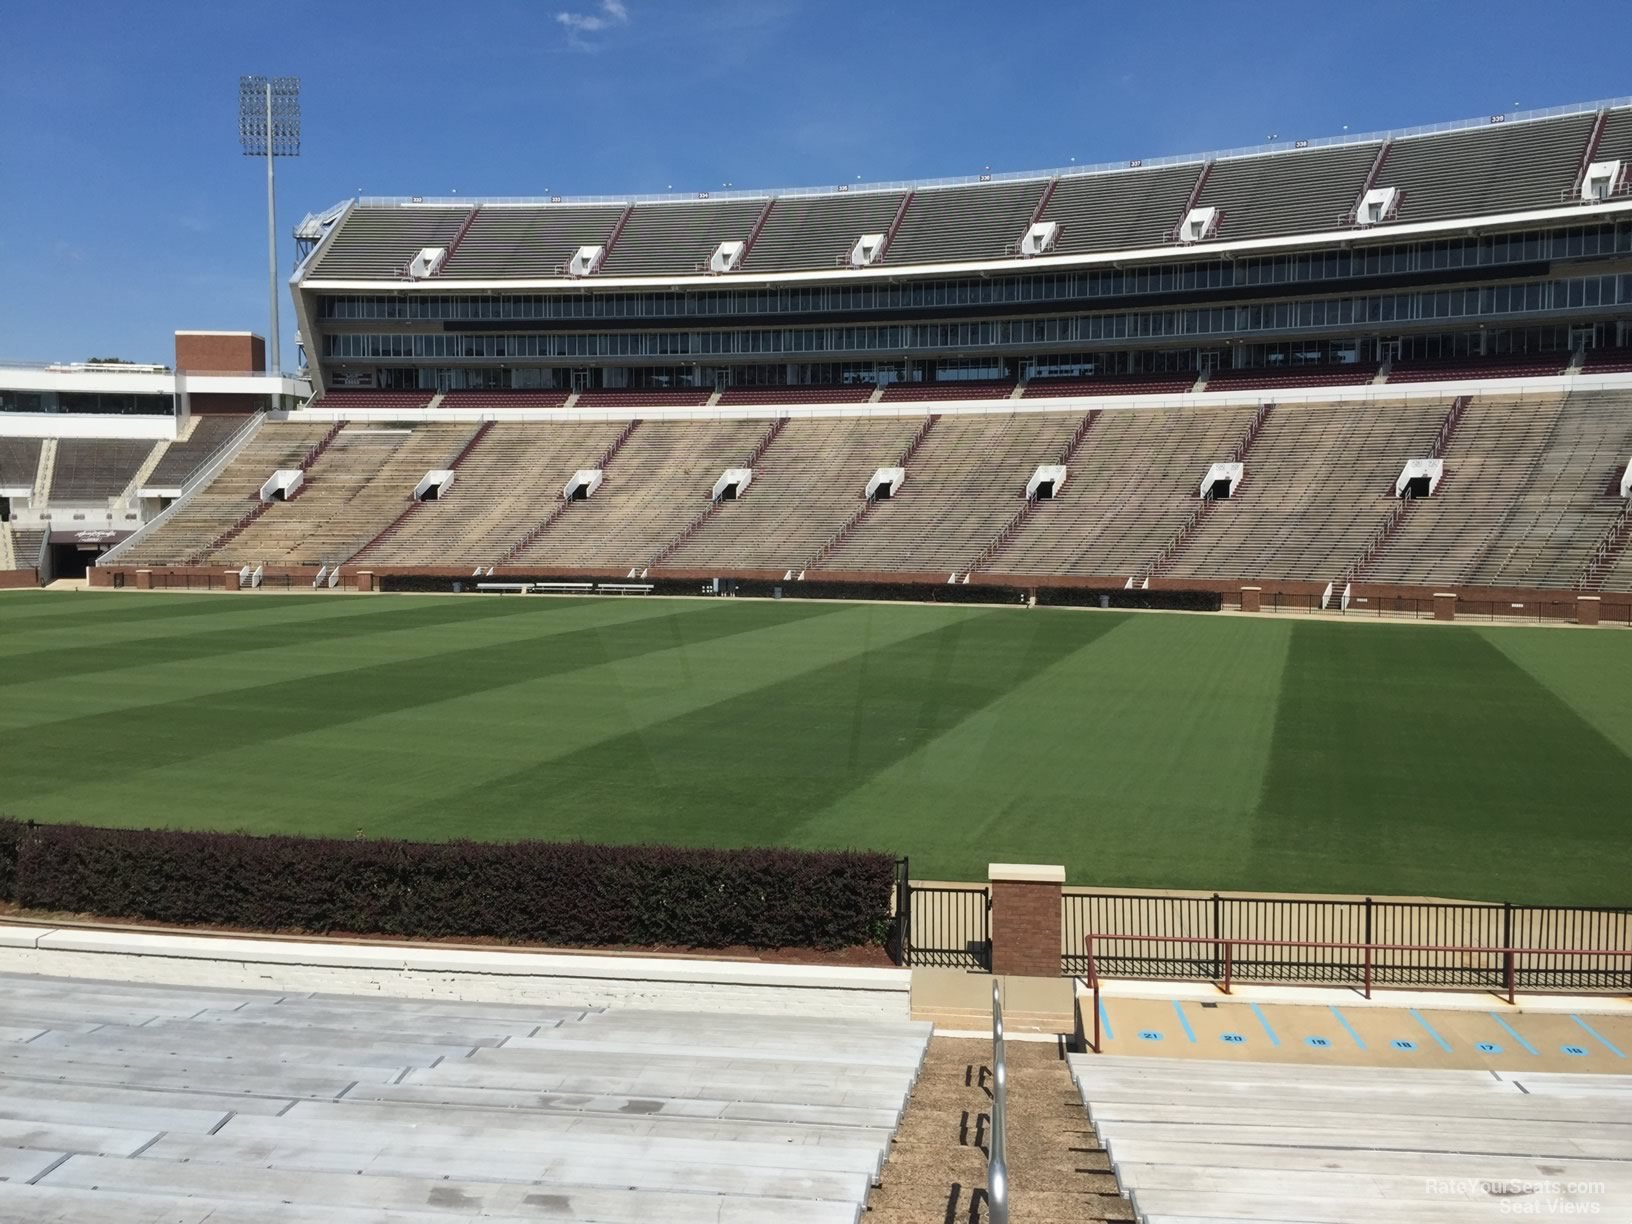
[(269, 127)]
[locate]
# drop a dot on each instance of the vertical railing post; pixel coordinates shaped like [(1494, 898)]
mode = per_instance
[(1229, 959), (1367, 941), (1368, 968), (1218, 930), (1507, 947)]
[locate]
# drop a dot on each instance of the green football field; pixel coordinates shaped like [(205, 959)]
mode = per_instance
[(1153, 750)]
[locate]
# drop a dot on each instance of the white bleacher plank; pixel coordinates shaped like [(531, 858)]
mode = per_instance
[(61, 1205), (795, 1120), (62, 1137), (806, 1053), (114, 1094), (17, 1106), (611, 1165), (462, 1198), (677, 1084), (1422, 1104), (1317, 1210), (1312, 1117), (1471, 1139), (25, 1164), (363, 1113), (20, 1032), (1246, 1156)]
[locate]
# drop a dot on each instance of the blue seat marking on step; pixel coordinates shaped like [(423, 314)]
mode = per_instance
[(1514, 1033), (1488, 1047), (1400, 1043), (1343, 1020), (1105, 1021), (1149, 1035), (1606, 1042), (1234, 1039), (1185, 1022), (1319, 1043), (1443, 1044), (1259, 1012), (1574, 1051)]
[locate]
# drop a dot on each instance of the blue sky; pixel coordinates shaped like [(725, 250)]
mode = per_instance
[(127, 211)]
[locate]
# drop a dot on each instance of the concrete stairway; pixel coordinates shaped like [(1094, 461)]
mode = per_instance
[(1058, 1172)]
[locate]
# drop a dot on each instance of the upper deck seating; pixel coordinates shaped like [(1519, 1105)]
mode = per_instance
[(380, 241), (1291, 379), (679, 238), (817, 232), (1319, 483), (854, 393), (1128, 489), (949, 389), (1503, 365), (963, 484), (506, 485), (1608, 361), (644, 397), (346, 398), (806, 485), (1301, 191), (945, 224), (1109, 384), (540, 398), (509, 242), (1120, 210), (93, 470), (1506, 167), (658, 482)]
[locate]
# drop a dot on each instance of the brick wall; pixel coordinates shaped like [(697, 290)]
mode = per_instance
[(221, 352), (1026, 920)]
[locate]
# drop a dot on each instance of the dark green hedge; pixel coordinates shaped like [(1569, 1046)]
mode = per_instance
[(562, 893)]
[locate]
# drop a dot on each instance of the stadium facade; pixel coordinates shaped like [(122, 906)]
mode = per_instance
[(1489, 239), (1375, 368)]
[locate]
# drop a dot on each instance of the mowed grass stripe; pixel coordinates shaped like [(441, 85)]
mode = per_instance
[(1571, 666), (30, 611), (1423, 758), (363, 618), (99, 747), (1136, 760), (135, 688), (414, 772), (753, 769)]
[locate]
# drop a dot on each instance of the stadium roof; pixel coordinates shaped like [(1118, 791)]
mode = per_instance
[(1503, 165)]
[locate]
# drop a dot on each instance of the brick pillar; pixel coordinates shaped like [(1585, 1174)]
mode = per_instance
[(144, 580), (1026, 919), (1444, 606), (365, 580), (232, 580), (1252, 599), (1586, 609)]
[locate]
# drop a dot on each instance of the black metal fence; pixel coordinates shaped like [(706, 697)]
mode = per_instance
[(1447, 944), (945, 926)]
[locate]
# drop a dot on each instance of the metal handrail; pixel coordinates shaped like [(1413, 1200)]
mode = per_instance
[(1224, 953), (997, 1164)]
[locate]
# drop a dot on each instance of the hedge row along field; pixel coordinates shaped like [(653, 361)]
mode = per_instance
[(560, 893)]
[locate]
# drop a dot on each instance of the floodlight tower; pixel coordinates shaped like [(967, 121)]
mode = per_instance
[(269, 127)]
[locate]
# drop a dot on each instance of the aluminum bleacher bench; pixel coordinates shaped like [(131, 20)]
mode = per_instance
[(626, 588)]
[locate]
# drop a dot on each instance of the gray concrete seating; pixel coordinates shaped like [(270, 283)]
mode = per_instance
[(149, 1104), (1229, 1140), (95, 469)]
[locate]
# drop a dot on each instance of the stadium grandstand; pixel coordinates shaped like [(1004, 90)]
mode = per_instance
[(1373, 367)]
